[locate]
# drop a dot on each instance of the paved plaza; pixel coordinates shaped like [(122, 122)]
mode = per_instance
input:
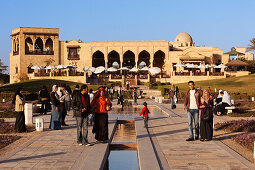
[(58, 149)]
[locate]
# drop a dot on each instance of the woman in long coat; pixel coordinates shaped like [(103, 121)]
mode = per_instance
[(19, 101), (206, 120), (101, 102)]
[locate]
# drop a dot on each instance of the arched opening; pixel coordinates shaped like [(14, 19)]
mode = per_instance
[(98, 59), (14, 45), (28, 45), (49, 45), (159, 59), (17, 45), (145, 57), (112, 57), (129, 59), (39, 44)]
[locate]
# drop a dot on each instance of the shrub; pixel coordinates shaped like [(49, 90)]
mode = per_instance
[(246, 140), (237, 126), (7, 139)]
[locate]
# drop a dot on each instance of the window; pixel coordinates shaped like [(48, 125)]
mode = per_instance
[(73, 54), (17, 70)]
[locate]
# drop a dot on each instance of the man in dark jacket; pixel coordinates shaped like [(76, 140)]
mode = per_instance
[(81, 106), (191, 105), (44, 99)]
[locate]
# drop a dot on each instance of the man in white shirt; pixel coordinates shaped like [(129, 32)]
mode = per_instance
[(192, 104)]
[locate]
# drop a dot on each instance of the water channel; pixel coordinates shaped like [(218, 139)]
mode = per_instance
[(123, 148)]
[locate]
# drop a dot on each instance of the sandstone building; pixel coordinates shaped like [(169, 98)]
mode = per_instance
[(42, 47)]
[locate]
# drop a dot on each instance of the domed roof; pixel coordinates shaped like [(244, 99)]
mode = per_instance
[(183, 37)]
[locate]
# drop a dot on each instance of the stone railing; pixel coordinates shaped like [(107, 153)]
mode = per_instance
[(39, 52)]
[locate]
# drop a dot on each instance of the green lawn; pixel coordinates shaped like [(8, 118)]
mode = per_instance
[(244, 85)]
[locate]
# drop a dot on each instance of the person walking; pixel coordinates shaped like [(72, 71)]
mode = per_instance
[(171, 96), (92, 114), (102, 104), (44, 99), (176, 93), (135, 95), (55, 120), (118, 94), (191, 105), (62, 93), (145, 112), (127, 83), (81, 105), (68, 99), (206, 121), (18, 101), (111, 93)]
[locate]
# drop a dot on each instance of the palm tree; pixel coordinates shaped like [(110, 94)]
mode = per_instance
[(252, 45)]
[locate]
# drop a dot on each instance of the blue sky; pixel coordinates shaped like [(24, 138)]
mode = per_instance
[(218, 23)]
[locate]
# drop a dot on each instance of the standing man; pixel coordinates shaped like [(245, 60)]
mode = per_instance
[(127, 85), (81, 105), (191, 104), (111, 93), (76, 90), (135, 96), (62, 94), (118, 94), (44, 97)]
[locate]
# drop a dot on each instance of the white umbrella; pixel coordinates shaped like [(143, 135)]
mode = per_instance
[(179, 65), (50, 67), (154, 70), (36, 67), (145, 68), (134, 69), (220, 66), (99, 70), (142, 63), (71, 66), (61, 67), (190, 65), (202, 66), (112, 69), (124, 68), (91, 69), (115, 64)]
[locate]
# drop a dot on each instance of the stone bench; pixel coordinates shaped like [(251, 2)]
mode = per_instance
[(230, 109)]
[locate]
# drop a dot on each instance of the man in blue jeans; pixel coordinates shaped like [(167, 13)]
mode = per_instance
[(191, 104), (81, 106)]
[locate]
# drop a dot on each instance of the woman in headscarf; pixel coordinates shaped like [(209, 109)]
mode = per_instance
[(206, 120), (226, 102), (218, 102), (19, 102), (55, 121), (102, 104)]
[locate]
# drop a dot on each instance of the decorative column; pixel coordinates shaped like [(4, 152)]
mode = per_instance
[(136, 61)]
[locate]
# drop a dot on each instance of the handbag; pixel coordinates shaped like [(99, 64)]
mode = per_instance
[(108, 107), (206, 115)]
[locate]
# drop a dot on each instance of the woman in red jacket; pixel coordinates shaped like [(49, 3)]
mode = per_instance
[(102, 104)]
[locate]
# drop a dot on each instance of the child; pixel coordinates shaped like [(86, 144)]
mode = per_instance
[(145, 112)]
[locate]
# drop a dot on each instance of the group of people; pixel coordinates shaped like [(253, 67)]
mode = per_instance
[(84, 104), (195, 100)]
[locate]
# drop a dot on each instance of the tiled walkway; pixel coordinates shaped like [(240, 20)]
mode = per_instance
[(53, 149), (59, 150), (171, 133)]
